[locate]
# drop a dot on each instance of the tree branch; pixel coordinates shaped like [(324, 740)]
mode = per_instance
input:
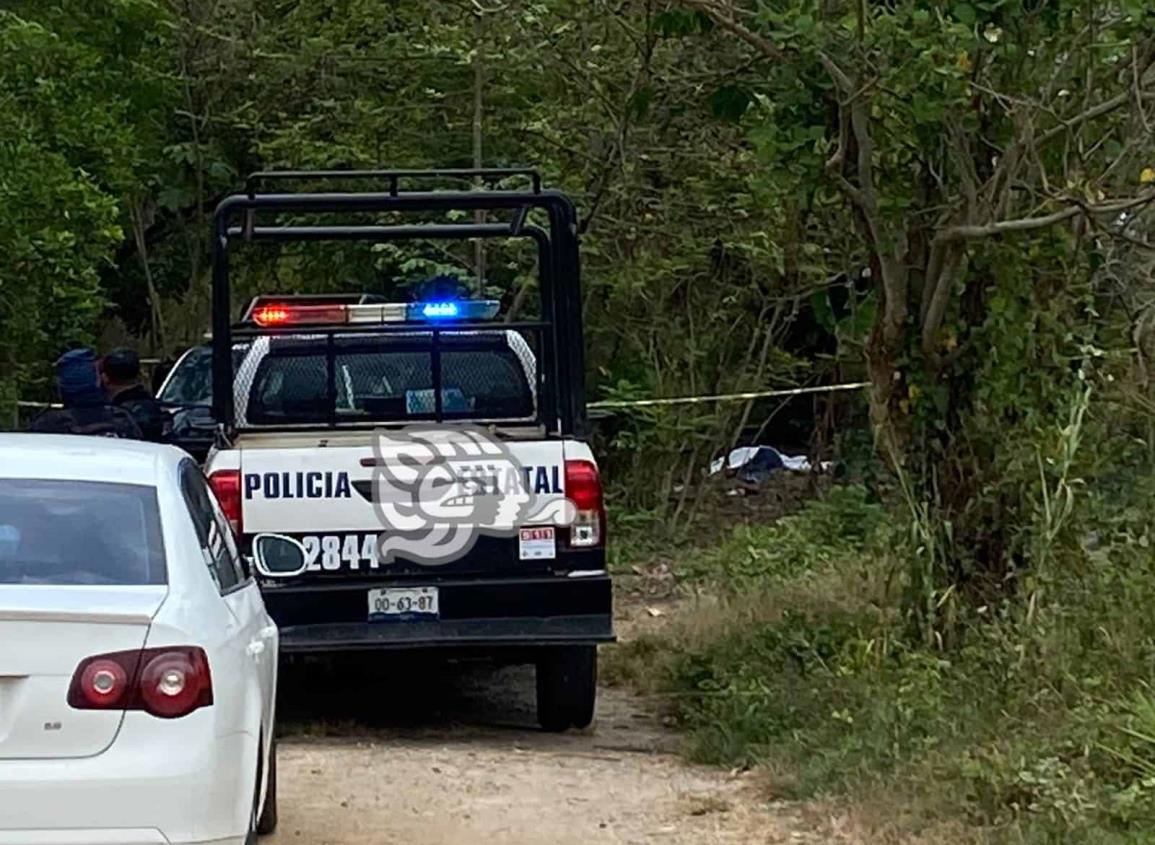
[(1105, 107), (953, 270), (1131, 239), (865, 167), (930, 282), (853, 193), (715, 13), (1139, 67), (1026, 224), (864, 195), (836, 161), (844, 82), (996, 189)]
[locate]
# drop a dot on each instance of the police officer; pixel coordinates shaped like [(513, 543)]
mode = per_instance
[(86, 407), (120, 372)]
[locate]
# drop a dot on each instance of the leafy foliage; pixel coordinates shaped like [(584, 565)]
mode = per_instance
[(834, 528), (610, 104), (73, 143), (989, 154), (954, 199), (1034, 728)]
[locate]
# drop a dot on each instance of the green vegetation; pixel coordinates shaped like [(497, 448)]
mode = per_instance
[(952, 201), (1036, 726), (616, 106)]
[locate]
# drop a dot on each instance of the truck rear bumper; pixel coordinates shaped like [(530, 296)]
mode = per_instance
[(475, 615), (459, 633)]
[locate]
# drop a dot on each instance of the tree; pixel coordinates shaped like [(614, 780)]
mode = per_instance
[(984, 150), (74, 139), (605, 99)]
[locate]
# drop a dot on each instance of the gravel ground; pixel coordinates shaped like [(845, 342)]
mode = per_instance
[(442, 754)]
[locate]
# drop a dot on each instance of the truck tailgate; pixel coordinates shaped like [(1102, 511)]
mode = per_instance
[(390, 508)]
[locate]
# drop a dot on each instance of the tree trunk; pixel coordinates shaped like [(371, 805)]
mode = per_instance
[(478, 152)]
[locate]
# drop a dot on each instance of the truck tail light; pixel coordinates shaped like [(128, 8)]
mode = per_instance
[(166, 682), (583, 487), (226, 483)]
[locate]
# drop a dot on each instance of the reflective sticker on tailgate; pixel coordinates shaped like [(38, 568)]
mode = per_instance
[(340, 552)]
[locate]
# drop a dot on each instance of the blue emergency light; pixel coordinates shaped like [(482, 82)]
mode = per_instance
[(464, 309), (439, 310)]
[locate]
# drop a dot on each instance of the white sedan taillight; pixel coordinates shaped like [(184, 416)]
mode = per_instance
[(166, 682), (583, 487)]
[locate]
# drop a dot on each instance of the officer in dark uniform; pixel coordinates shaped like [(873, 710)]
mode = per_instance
[(86, 407), (120, 371)]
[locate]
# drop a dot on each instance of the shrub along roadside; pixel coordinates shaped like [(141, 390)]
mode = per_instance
[(1036, 727)]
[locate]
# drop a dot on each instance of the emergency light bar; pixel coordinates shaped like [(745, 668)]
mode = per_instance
[(274, 314)]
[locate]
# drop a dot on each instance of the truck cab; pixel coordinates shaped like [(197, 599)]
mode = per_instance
[(429, 454)]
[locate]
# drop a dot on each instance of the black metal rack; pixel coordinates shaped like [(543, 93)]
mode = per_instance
[(561, 364), (486, 175)]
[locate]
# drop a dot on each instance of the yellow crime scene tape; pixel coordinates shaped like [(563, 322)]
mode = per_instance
[(728, 397), (643, 403)]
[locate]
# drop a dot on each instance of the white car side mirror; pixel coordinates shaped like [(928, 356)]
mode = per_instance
[(277, 556)]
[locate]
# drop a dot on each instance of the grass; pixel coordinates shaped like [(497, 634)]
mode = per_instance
[(794, 657)]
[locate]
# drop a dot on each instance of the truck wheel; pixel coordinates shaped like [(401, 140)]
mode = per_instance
[(567, 686)]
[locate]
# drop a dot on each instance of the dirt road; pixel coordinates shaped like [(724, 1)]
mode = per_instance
[(450, 756)]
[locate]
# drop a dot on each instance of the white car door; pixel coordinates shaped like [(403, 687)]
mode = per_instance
[(255, 637)]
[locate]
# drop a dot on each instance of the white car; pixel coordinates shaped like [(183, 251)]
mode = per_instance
[(138, 667)]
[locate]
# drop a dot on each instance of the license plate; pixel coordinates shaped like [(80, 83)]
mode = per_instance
[(537, 543), (388, 603)]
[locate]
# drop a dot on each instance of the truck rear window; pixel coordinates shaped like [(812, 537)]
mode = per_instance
[(79, 533), (191, 381), (388, 380)]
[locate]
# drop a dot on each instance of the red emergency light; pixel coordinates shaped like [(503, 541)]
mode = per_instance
[(278, 314)]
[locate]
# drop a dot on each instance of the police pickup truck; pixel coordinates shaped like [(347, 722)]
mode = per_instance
[(430, 455)]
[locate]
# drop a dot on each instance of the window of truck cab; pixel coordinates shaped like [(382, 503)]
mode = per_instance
[(390, 378)]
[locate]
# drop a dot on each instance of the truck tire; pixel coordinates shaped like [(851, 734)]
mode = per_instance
[(567, 686)]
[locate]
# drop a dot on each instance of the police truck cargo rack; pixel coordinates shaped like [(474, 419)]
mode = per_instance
[(430, 456)]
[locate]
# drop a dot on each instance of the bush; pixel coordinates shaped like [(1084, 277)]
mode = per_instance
[(1037, 726), (834, 528)]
